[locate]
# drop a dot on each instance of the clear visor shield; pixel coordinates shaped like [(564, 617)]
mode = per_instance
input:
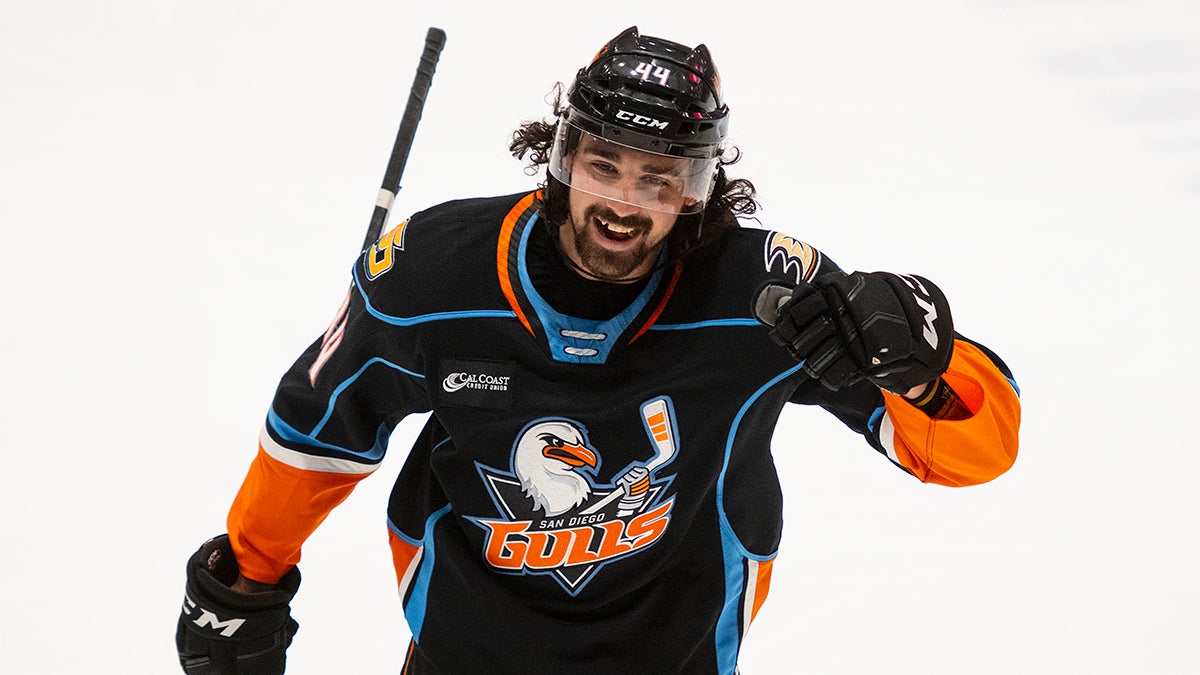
[(628, 175)]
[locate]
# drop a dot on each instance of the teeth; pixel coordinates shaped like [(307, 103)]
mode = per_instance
[(617, 228)]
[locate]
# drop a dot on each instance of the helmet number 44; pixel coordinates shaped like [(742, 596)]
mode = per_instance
[(649, 71)]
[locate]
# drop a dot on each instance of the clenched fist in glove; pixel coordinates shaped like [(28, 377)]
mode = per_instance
[(893, 330), (224, 632)]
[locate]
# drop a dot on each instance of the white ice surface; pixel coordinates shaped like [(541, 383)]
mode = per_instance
[(183, 186)]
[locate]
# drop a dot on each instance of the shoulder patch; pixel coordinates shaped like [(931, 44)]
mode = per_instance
[(789, 256)]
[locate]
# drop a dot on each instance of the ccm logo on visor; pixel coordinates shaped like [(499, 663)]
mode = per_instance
[(641, 120)]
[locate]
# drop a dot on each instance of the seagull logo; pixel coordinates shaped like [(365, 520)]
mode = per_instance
[(556, 519), (547, 461)]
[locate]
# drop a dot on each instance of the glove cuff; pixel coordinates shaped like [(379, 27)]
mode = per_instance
[(219, 612), (941, 402)]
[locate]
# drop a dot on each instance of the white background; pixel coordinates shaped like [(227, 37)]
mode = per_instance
[(185, 184)]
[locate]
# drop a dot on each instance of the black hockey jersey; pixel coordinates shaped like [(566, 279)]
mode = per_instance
[(587, 495)]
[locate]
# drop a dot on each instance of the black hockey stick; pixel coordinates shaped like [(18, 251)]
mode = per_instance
[(435, 39)]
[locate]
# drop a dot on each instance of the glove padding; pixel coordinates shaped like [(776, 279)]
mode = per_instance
[(224, 632), (895, 331)]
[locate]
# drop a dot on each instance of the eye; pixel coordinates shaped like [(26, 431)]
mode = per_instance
[(552, 440), (603, 169)]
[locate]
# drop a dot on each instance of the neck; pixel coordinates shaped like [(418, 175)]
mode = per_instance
[(571, 290)]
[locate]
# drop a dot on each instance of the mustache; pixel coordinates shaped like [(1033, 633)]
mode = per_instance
[(636, 221)]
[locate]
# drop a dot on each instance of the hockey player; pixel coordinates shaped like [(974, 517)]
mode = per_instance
[(604, 360)]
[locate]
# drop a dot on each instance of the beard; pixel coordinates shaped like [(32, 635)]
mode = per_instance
[(603, 263)]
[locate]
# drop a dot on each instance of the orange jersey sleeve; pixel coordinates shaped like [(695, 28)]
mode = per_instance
[(962, 452), (278, 506)]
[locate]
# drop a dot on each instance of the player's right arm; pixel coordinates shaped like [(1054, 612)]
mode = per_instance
[(328, 424), (327, 429)]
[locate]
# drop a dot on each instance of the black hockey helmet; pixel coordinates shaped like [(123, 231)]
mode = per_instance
[(655, 96)]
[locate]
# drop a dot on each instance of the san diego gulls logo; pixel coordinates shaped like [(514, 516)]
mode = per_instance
[(557, 519)]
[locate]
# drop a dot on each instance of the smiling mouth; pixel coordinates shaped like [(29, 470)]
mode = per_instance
[(615, 231)]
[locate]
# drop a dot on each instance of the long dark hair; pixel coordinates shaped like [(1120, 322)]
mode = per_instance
[(693, 234)]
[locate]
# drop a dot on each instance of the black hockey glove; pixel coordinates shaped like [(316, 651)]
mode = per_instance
[(224, 632), (894, 330)]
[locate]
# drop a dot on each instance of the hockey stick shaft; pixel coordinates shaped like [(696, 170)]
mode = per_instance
[(435, 39)]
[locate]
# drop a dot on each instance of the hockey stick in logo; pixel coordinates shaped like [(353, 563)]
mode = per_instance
[(435, 39), (632, 486)]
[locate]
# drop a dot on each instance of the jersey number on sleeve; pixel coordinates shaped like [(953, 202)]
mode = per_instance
[(381, 256), (331, 339)]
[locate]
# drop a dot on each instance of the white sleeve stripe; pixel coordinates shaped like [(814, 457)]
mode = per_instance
[(299, 460), (887, 436), (749, 596), (410, 572)]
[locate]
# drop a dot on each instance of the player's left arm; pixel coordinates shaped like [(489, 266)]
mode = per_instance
[(944, 408)]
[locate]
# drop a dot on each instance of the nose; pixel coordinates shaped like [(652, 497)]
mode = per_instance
[(622, 209)]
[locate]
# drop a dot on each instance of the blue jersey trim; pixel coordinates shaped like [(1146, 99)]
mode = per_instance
[(403, 537), (425, 318), (711, 323), (729, 627), (349, 381), (728, 634), (418, 600), (737, 420), (290, 434), (374, 454), (589, 340), (873, 422)]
